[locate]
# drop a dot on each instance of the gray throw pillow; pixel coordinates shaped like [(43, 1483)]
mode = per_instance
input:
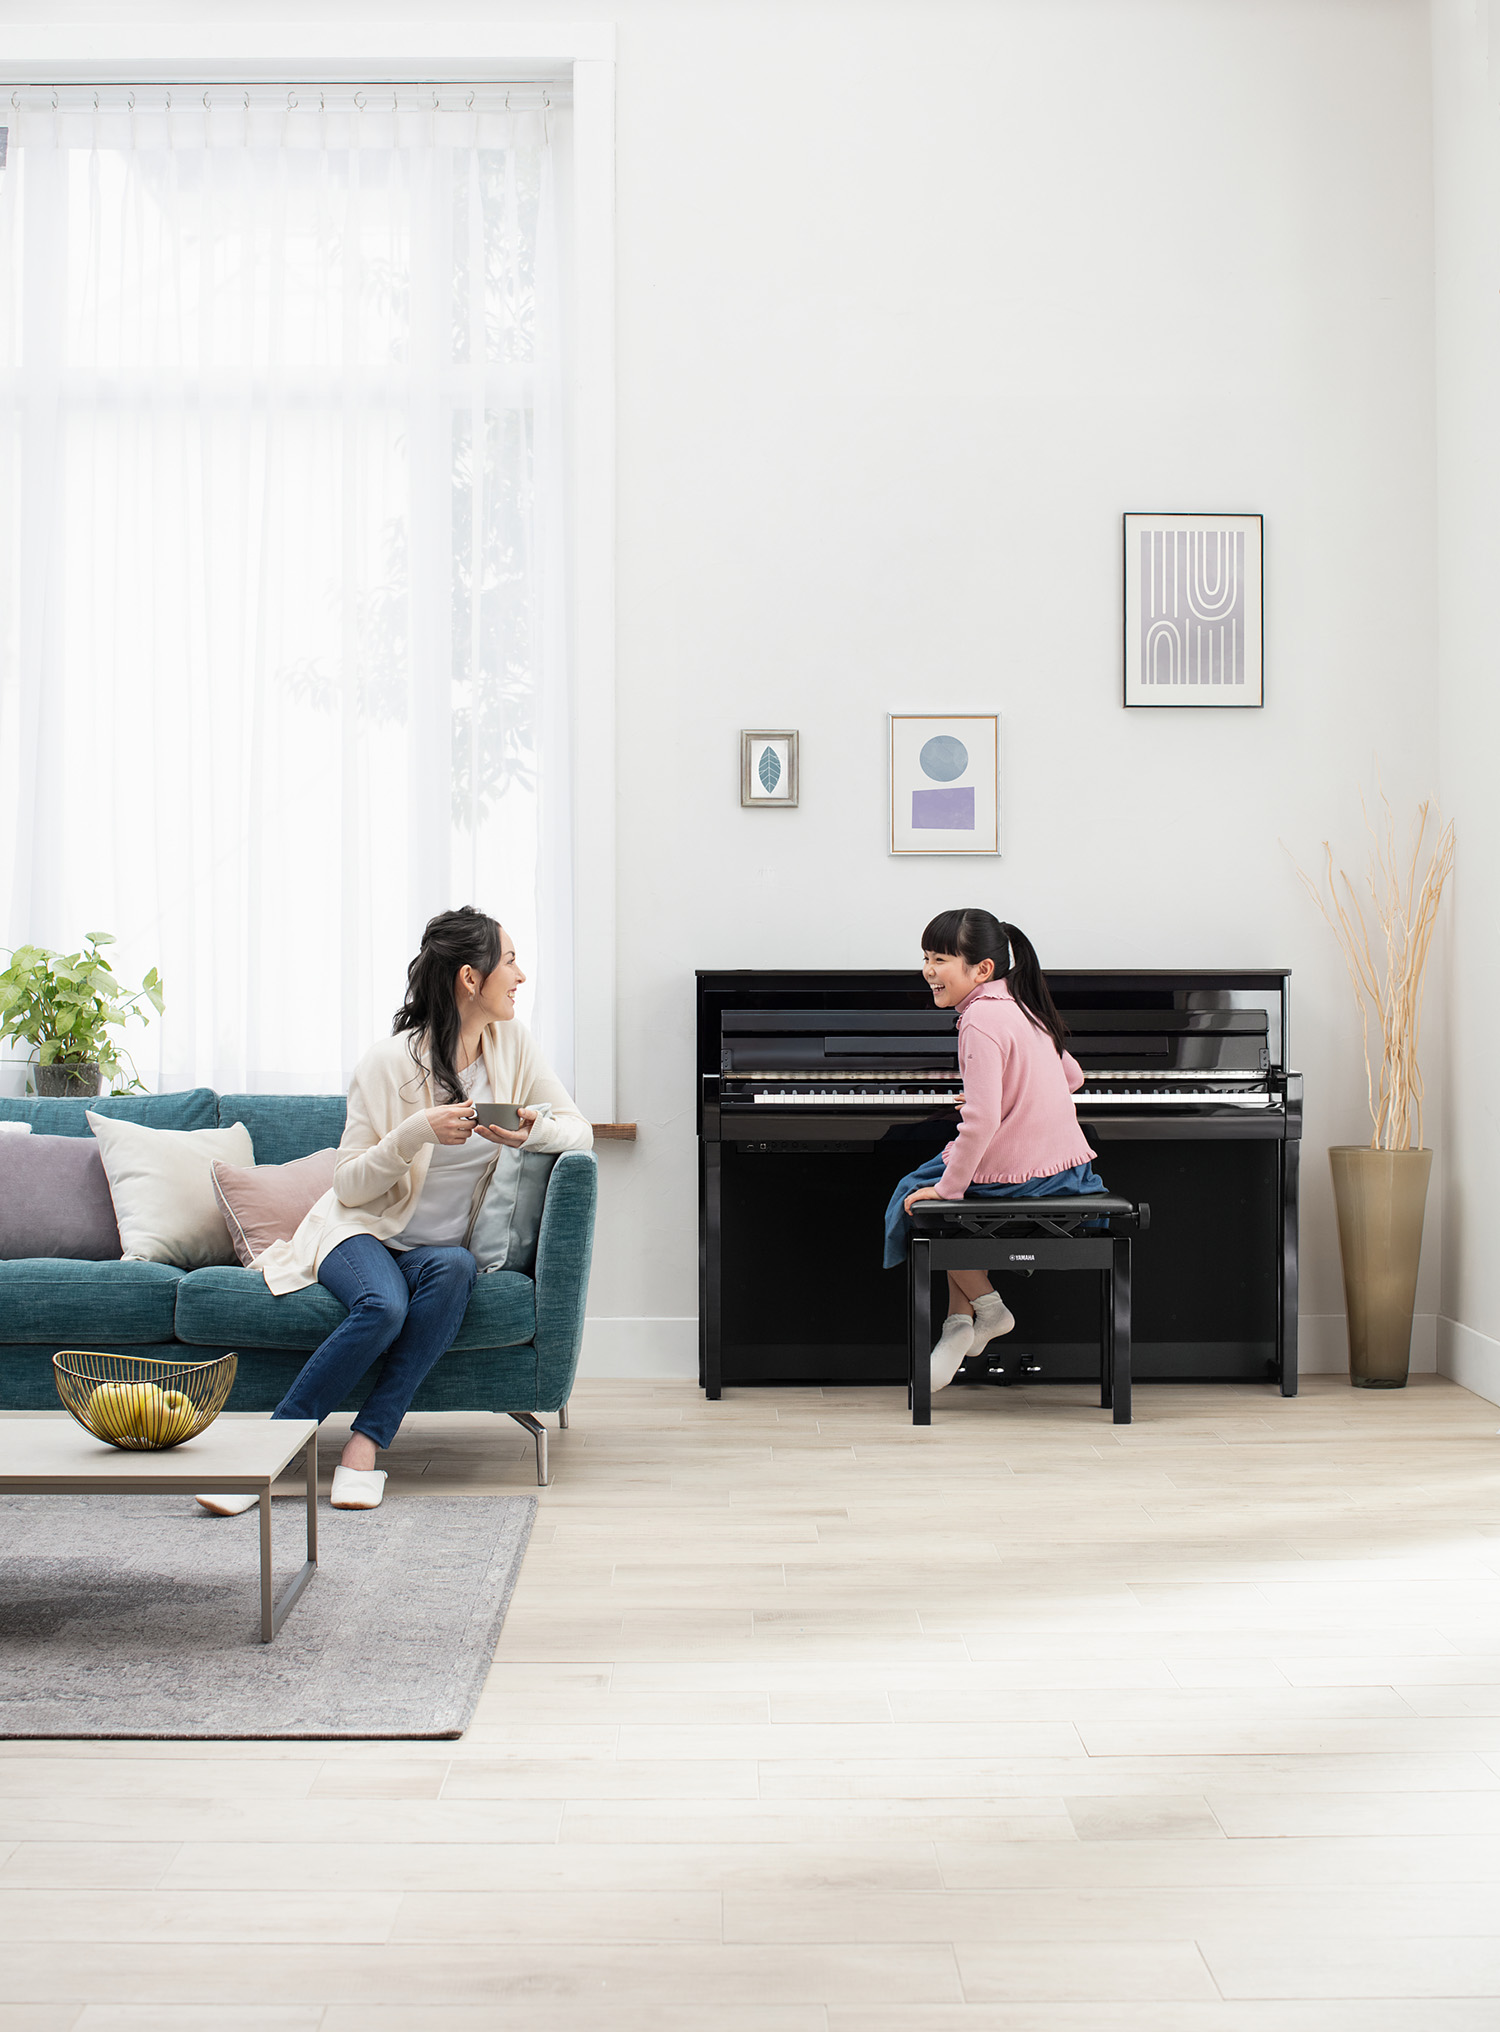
[(55, 1201), (507, 1217)]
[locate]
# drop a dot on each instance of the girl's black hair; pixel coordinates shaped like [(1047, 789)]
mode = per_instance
[(975, 935), (453, 939)]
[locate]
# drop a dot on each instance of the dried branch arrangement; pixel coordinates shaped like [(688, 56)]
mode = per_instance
[(1387, 964)]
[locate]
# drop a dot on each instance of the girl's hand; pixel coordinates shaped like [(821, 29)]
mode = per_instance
[(926, 1192), (453, 1124), (512, 1138)]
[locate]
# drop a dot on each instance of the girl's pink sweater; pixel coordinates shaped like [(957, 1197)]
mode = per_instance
[(1018, 1116)]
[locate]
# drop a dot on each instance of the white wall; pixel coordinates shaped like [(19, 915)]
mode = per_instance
[(914, 301), (915, 297), (1466, 100)]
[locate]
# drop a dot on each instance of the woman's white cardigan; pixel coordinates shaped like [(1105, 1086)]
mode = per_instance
[(388, 1144)]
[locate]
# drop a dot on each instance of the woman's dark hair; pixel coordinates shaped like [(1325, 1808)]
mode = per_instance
[(975, 935), (454, 939)]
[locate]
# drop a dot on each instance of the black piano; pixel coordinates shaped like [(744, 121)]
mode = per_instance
[(818, 1091)]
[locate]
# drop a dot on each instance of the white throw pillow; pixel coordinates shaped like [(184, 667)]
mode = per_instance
[(162, 1184), (15, 1128)]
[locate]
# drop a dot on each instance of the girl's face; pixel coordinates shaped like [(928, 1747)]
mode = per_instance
[(951, 978), (492, 996)]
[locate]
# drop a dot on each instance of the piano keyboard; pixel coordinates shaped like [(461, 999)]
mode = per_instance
[(1167, 1099), (854, 1100)]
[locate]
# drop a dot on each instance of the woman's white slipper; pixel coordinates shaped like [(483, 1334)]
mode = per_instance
[(357, 1488), (227, 1506)]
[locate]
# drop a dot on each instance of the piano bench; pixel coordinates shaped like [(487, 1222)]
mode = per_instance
[(1091, 1231)]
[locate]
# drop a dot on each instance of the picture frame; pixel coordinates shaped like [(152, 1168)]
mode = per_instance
[(945, 783), (769, 768), (1194, 611)]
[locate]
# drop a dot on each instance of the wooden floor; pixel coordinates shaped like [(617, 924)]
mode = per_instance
[(807, 1721)]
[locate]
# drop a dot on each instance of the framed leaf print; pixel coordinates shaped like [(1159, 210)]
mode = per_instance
[(768, 767)]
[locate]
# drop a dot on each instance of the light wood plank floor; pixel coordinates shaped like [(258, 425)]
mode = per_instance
[(805, 1721)]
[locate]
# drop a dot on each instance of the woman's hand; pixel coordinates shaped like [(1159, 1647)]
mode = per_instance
[(925, 1192), (512, 1138), (453, 1124)]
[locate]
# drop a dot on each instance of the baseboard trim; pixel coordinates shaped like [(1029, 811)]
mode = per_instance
[(1469, 1358), (667, 1349), (1323, 1344), (652, 1349)]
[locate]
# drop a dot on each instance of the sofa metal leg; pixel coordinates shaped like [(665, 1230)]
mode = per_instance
[(539, 1432), (562, 1418)]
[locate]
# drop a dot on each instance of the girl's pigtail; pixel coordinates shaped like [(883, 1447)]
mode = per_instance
[(1028, 984)]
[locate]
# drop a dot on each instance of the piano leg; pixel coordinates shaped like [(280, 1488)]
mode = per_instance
[(1119, 1337), (919, 1336), (1286, 1308), (711, 1280)]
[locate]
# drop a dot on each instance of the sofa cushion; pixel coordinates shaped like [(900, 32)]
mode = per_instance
[(162, 1184), (223, 1308), (284, 1126), (54, 1200), (266, 1203), (198, 1108), (87, 1305)]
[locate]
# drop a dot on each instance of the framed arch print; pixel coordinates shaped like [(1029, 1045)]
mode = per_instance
[(945, 783), (1194, 611)]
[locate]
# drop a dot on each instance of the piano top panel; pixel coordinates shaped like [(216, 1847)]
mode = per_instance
[(1113, 1012)]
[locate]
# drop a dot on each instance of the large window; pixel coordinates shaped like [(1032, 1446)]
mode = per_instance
[(283, 539)]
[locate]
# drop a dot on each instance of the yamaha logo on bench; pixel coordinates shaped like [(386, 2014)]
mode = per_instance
[(1013, 1258)]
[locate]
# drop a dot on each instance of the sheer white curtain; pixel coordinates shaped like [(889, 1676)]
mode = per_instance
[(283, 656)]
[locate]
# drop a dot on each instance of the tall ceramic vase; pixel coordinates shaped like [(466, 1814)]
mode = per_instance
[(1381, 1196)]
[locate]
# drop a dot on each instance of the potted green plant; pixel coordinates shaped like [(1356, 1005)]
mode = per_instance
[(1380, 1188), (64, 1005)]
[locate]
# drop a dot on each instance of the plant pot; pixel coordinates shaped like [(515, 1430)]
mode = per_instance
[(1381, 1196), (67, 1079)]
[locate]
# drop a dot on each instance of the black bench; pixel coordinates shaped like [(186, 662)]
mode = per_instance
[(1089, 1232)]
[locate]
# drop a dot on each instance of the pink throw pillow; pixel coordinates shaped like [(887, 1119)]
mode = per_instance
[(266, 1203)]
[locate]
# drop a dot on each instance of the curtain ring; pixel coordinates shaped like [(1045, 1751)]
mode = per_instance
[(435, 107), (359, 102), (322, 103), (169, 102), (130, 101), (291, 102), (206, 106), (96, 102), (394, 107), (469, 102), (54, 98), (247, 102)]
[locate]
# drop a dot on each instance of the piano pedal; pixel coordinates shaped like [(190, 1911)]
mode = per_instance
[(1014, 1367)]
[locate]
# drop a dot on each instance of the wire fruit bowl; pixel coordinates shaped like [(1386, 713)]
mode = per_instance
[(140, 1402)]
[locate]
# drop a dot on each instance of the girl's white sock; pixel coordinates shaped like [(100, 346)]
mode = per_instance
[(954, 1343), (992, 1317)]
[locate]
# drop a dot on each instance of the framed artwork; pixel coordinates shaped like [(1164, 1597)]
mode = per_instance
[(1194, 610), (768, 767), (945, 783)]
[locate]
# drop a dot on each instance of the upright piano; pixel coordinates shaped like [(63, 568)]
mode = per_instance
[(817, 1092)]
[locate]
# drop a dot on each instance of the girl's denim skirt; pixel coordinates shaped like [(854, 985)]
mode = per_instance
[(1079, 1178)]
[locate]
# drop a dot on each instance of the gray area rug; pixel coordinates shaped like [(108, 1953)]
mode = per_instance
[(139, 1616)]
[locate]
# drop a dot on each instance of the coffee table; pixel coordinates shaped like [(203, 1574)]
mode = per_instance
[(238, 1455)]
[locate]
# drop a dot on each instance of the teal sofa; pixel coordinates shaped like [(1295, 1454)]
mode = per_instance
[(516, 1352)]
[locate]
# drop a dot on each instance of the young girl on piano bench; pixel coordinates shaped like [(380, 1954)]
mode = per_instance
[(1019, 1138)]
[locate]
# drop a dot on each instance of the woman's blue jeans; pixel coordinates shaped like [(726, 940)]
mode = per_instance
[(406, 1305)]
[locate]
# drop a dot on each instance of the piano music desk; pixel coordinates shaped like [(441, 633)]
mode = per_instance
[(1024, 1235)]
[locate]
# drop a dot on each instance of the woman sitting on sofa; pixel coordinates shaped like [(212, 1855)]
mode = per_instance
[(387, 1241)]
